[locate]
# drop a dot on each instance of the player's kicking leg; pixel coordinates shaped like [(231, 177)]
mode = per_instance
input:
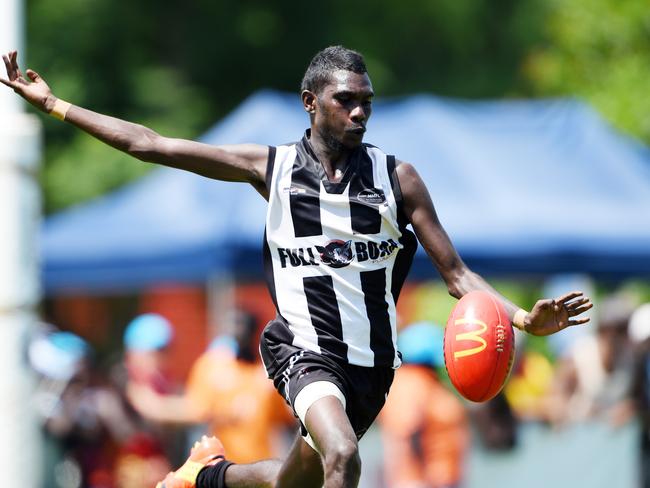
[(335, 465)]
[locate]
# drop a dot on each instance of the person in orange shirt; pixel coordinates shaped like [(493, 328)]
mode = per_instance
[(227, 389), (424, 425)]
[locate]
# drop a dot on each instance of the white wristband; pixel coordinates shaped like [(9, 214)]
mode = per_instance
[(519, 320)]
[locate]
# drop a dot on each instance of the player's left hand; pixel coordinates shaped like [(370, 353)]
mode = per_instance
[(550, 316)]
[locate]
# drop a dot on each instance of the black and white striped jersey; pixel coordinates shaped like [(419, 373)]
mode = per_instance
[(336, 254)]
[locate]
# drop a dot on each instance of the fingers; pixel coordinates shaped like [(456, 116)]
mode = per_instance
[(567, 297), (19, 74), (10, 71), (581, 321), (13, 62), (16, 78), (13, 56), (575, 302), (33, 75), (11, 65), (561, 325), (578, 310), (10, 84), (578, 302)]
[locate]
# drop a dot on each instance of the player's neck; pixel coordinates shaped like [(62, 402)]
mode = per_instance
[(333, 155)]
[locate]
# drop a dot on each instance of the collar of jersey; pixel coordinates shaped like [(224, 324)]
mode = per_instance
[(351, 168)]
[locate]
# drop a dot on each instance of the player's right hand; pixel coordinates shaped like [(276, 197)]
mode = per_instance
[(33, 89)]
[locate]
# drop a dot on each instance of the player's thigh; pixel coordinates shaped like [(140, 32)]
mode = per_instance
[(301, 468), (330, 428)]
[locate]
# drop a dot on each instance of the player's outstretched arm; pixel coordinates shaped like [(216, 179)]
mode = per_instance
[(546, 317), (245, 162)]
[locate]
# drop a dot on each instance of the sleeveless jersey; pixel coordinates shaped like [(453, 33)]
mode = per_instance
[(336, 254)]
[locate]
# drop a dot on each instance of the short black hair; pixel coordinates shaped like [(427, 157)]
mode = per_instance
[(330, 59)]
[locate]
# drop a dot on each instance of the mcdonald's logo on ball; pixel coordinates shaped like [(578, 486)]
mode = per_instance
[(479, 346)]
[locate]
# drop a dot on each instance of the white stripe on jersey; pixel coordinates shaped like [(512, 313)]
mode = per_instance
[(337, 298)]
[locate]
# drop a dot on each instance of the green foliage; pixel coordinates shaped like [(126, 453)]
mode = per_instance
[(433, 303), (598, 50), (178, 66), (85, 169)]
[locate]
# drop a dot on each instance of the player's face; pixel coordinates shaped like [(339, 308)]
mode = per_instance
[(343, 107)]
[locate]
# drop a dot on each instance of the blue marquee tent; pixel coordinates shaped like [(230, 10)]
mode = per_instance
[(521, 187)]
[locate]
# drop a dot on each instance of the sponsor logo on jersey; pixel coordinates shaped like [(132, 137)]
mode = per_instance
[(373, 196), (337, 253), (297, 257), (294, 190), (374, 251)]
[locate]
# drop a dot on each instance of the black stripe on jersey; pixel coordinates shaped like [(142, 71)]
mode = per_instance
[(364, 215), (325, 315), (391, 166), (304, 196), (268, 271), (404, 257), (269, 168), (266, 252), (373, 284)]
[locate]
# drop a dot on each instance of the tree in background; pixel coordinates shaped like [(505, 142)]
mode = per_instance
[(598, 50), (179, 66)]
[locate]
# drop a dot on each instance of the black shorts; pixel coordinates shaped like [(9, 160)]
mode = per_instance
[(291, 369)]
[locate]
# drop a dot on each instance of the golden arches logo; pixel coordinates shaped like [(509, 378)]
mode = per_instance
[(474, 335)]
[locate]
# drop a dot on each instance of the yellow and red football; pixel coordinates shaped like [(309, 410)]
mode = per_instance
[(479, 346)]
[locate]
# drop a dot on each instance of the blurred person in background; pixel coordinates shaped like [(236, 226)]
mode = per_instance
[(527, 389), (495, 423), (594, 381), (331, 351), (424, 425), (639, 332), (524, 398), (87, 416), (228, 389), (146, 352), (147, 339)]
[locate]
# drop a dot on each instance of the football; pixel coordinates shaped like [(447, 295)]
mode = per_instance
[(479, 346)]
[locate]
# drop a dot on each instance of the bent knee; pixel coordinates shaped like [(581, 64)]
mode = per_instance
[(343, 456)]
